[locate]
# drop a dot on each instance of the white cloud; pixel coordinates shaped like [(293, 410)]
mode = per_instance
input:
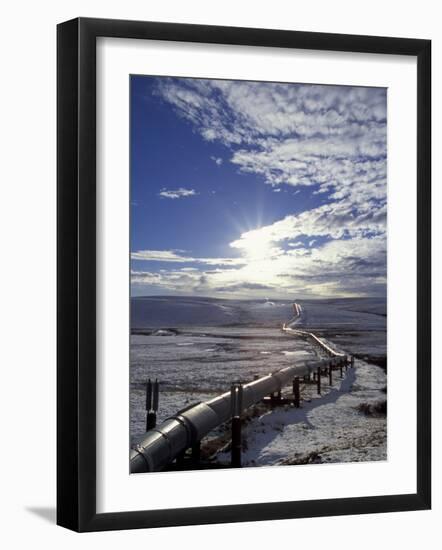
[(158, 255), (177, 256), (217, 160), (330, 140), (240, 112), (335, 220), (177, 193), (337, 268), (344, 266), (333, 137)]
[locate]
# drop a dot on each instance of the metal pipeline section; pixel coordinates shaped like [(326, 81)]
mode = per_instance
[(325, 348), (161, 445)]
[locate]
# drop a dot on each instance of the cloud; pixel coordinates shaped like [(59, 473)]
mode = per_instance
[(329, 141), (177, 193), (241, 112), (243, 286), (332, 138), (343, 267), (336, 220), (159, 255), (176, 256), (217, 160)]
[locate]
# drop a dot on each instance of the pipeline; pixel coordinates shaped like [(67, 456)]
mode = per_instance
[(297, 332), (324, 347), (161, 445)]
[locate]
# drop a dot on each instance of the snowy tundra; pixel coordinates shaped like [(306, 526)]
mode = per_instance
[(196, 347)]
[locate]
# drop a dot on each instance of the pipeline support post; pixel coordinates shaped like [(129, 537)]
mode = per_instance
[(152, 399), (330, 374), (180, 458), (236, 409), (296, 393), (318, 379), (352, 361), (156, 394), (196, 453)]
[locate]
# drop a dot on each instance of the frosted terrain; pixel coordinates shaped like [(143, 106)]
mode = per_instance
[(196, 347)]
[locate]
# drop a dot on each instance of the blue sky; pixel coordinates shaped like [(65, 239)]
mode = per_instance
[(249, 189)]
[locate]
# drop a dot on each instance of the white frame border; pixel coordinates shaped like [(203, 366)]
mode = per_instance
[(116, 489)]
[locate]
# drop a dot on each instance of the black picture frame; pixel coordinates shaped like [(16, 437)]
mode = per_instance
[(77, 287)]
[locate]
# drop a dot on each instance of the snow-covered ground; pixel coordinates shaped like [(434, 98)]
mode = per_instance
[(197, 347), (198, 363), (327, 428)]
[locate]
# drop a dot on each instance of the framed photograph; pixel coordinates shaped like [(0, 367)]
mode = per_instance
[(243, 274)]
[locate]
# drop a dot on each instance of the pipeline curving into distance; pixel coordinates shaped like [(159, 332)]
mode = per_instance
[(160, 446)]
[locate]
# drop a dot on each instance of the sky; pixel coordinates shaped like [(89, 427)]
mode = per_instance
[(256, 189)]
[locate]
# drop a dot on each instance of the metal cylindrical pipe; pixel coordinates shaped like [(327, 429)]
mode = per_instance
[(160, 446)]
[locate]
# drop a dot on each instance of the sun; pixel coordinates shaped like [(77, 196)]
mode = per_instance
[(255, 245)]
